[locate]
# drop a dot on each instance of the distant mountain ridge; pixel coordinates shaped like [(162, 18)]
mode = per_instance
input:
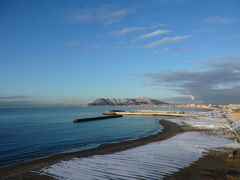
[(143, 101)]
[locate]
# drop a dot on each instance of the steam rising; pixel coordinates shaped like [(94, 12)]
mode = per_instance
[(192, 97)]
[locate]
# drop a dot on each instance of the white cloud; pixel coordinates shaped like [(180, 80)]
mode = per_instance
[(171, 49), (135, 29), (164, 50), (79, 15), (154, 33), (92, 48), (217, 19), (128, 30), (167, 40), (114, 14), (103, 14), (71, 43), (134, 46)]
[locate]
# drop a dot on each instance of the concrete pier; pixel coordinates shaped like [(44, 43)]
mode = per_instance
[(150, 113), (96, 118)]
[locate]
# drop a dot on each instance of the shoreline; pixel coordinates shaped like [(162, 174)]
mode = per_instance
[(213, 165), (23, 170)]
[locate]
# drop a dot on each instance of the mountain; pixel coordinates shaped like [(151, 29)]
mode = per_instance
[(143, 101)]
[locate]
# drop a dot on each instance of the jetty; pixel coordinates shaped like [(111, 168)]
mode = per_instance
[(150, 113), (121, 113), (96, 118)]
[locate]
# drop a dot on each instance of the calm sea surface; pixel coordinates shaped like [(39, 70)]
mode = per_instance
[(31, 133)]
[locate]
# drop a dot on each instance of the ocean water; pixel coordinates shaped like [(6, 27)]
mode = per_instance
[(31, 133)]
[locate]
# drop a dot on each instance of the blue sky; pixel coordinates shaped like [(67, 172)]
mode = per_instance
[(71, 52)]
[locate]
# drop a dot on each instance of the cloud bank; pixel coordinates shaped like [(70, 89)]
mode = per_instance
[(103, 14), (219, 84), (151, 34), (217, 19), (128, 30), (167, 40), (170, 49), (71, 43), (12, 97)]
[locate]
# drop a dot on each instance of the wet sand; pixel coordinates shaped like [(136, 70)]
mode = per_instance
[(23, 170), (213, 166)]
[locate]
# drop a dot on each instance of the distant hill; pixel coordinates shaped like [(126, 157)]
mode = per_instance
[(143, 101)]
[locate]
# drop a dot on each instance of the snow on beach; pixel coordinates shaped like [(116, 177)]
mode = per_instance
[(151, 161), (212, 120)]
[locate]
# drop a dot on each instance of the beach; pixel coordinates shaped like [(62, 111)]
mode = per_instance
[(186, 148), (23, 170), (214, 165)]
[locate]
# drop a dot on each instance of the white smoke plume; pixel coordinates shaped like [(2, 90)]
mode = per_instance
[(191, 96)]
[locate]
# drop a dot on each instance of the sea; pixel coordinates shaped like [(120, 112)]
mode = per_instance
[(32, 133)]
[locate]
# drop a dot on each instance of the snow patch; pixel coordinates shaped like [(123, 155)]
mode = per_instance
[(151, 161)]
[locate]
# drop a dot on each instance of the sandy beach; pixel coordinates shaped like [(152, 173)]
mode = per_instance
[(187, 148), (23, 171), (214, 165)]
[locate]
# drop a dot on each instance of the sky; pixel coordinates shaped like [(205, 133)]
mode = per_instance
[(71, 52)]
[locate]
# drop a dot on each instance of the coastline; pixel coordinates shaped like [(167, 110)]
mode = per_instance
[(214, 165), (23, 170)]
